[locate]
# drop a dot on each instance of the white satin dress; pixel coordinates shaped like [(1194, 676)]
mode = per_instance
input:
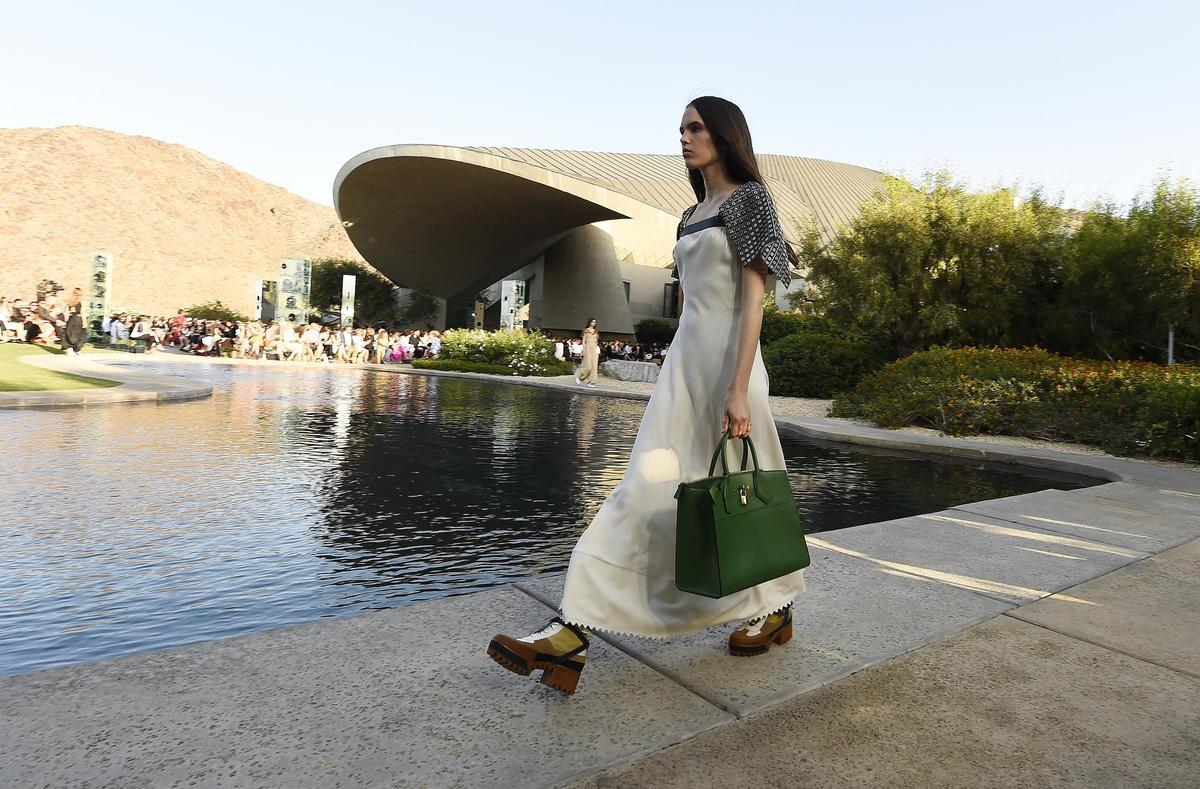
[(621, 577)]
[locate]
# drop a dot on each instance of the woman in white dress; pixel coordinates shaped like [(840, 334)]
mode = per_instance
[(622, 573)]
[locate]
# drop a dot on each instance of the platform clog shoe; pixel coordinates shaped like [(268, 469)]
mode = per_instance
[(559, 651), (756, 636)]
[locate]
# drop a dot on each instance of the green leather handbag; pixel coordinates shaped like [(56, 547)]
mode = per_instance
[(734, 531)]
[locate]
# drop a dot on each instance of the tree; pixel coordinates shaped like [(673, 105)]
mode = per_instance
[(374, 294), (1170, 223), (420, 310), (214, 311), (653, 331), (1130, 280), (934, 264), (1100, 290)]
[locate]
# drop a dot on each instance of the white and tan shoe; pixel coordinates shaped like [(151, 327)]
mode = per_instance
[(559, 650), (756, 636)]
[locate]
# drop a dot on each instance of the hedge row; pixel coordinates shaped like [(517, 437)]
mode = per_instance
[(1124, 407), (809, 356), (506, 352), (817, 365), (464, 366)]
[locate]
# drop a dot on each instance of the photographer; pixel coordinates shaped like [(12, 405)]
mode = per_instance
[(47, 288)]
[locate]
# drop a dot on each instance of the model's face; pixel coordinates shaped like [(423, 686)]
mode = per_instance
[(699, 150), (592, 324)]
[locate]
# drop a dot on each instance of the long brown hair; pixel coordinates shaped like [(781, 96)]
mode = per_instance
[(731, 136)]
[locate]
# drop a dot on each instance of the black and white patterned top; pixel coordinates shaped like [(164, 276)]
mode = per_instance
[(753, 230)]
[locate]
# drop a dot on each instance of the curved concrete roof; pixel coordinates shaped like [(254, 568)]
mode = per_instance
[(453, 219)]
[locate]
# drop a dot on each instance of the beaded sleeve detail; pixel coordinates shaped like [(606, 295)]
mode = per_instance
[(753, 230)]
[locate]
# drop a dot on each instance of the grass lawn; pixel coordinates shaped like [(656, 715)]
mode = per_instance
[(18, 377)]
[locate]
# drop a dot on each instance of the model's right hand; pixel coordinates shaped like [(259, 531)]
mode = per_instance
[(737, 415)]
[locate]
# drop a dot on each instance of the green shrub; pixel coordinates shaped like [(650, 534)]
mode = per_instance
[(776, 325), (465, 366), (517, 352), (653, 331), (1170, 417), (817, 365), (214, 311), (461, 366), (1124, 407)]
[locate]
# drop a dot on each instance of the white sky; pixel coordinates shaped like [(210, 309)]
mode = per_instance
[(1089, 99)]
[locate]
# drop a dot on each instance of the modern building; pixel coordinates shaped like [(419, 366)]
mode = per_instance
[(590, 234)]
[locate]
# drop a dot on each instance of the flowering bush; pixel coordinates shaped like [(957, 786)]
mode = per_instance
[(1125, 407), (516, 352)]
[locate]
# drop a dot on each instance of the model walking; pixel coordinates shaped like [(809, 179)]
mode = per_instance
[(590, 368), (622, 573)]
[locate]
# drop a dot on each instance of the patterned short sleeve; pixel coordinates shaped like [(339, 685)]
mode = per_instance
[(753, 230)]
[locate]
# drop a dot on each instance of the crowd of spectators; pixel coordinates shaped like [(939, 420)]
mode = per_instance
[(290, 341), (50, 322), (571, 349)]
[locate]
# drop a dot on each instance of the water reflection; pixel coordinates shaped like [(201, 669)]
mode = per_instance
[(298, 494), (473, 486), (837, 486)]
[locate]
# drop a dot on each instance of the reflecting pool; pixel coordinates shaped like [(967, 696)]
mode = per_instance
[(305, 493)]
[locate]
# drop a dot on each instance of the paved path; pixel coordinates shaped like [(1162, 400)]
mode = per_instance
[(136, 386), (1044, 639), (1097, 686)]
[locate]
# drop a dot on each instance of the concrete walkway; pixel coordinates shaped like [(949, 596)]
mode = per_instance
[(1098, 686), (1044, 639), (136, 386)]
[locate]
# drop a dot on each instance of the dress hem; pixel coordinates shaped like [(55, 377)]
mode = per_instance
[(664, 636)]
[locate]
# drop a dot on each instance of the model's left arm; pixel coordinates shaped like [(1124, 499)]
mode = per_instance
[(757, 242)]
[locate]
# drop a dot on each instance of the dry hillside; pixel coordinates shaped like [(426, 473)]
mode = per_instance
[(183, 228)]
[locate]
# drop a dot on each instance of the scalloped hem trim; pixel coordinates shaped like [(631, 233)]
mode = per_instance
[(592, 628)]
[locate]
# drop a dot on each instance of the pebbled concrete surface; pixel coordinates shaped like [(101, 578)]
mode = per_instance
[(1149, 498), (1150, 609), (1003, 704), (1146, 525), (998, 559), (405, 697), (854, 614)]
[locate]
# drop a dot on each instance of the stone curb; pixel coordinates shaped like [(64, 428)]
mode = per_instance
[(134, 386), (397, 369), (1105, 467)]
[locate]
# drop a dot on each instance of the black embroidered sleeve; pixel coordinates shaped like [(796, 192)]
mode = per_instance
[(679, 232), (753, 230)]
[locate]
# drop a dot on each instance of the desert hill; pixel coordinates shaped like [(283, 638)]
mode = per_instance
[(183, 228)]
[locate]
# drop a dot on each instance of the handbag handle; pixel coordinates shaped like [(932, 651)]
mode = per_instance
[(720, 453)]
